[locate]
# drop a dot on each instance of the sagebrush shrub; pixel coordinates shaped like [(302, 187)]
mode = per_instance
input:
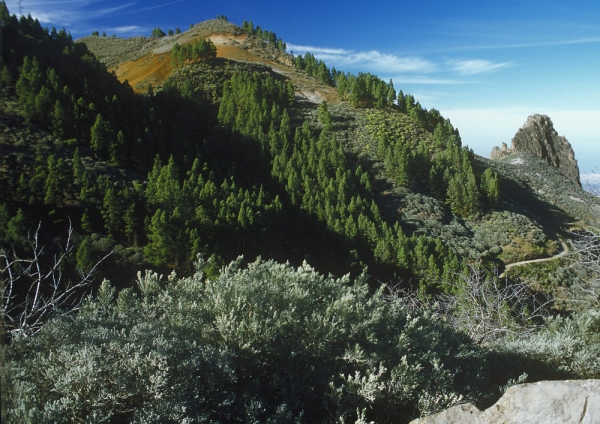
[(267, 343)]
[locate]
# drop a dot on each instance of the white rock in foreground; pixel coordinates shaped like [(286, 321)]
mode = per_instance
[(548, 402)]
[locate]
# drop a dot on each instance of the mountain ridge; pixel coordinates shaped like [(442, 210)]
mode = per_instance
[(147, 60), (408, 162)]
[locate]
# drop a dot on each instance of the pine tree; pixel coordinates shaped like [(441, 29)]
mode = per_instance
[(456, 195), (16, 230), (160, 247), (57, 181), (85, 256), (112, 211), (490, 186), (324, 116), (101, 137), (118, 155)]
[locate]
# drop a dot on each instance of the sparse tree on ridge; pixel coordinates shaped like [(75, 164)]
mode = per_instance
[(158, 33)]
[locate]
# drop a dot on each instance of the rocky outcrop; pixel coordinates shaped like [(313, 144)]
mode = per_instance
[(500, 152), (565, 402), (538, 137)]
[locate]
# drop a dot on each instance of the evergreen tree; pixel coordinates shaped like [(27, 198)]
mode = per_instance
[(156, 33), (16, 230), (57, 181), (324, 115), (101, 137), (160, 248), (4, 218), (85, 256), (490, 186), (112, 211)]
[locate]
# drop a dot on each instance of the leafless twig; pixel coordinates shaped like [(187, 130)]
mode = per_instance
[(488, 309), (586, 258), (48, 294)]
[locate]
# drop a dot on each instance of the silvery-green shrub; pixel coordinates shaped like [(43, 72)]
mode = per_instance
[(265, 343)]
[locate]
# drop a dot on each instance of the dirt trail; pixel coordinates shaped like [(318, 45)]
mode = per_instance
[(564, 252)]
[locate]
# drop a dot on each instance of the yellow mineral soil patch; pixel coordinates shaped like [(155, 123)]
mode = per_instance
[(155, 67), (151, 69)]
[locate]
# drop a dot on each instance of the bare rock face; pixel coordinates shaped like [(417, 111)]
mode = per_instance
[(500, 152), (565, 402), (538, 137)]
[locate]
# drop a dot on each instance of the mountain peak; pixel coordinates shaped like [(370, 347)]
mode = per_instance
[(144, 61), (539, 138)]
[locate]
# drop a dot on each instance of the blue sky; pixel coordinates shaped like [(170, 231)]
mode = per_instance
[(486, 65)]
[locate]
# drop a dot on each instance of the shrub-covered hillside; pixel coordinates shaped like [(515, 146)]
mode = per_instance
[(363, 243), (144, 176)]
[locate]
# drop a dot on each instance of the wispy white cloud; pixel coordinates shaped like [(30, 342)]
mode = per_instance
[(566, 42), (372, 60), (68, 12), (413, 69), (151, 8), (403, 79), (316, 50), (476, 66), (129, 30), (520, 32), (81, 13), (390, 62), (517, 45)]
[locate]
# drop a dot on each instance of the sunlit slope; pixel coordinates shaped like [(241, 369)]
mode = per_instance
[(143, 61)]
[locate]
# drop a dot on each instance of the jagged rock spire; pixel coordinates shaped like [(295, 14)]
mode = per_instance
[(538, 137)]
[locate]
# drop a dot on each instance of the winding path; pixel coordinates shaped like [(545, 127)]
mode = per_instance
[(531, 261)]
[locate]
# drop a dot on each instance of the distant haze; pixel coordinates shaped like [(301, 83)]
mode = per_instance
[(481, 130), (591, 182)]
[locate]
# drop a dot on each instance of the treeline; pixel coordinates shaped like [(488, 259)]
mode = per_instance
[(365, 90), (197, 51), (268, 36), (159, 33), (362, 90)]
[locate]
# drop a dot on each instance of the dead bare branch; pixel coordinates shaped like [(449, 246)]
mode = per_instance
[(586, 260), (48, 294), (489, 309)]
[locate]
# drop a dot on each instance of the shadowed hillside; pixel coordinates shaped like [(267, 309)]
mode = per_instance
[(332, 249)]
